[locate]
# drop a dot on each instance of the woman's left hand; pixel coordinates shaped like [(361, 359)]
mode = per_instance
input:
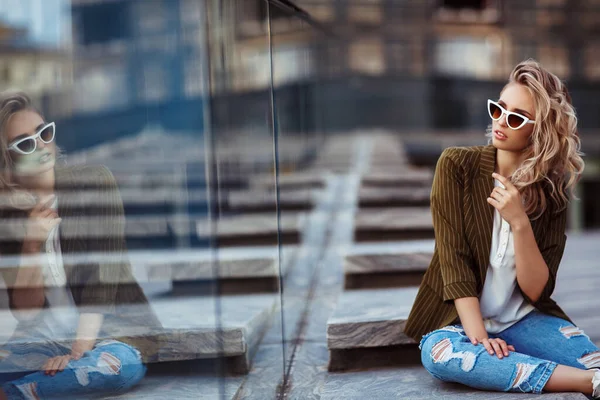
[(508, 202), (56, 364), (80, 346)]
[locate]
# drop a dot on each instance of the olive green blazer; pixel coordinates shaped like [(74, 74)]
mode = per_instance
[(463, 222), (96, 228)]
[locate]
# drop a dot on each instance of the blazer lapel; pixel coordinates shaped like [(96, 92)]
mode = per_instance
[(70, 242), (484, 184)]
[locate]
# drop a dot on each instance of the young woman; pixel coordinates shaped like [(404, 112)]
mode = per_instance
[(67, 308), (483, 314)]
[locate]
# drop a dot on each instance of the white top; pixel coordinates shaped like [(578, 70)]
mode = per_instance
[(502, 304), (61, 321)]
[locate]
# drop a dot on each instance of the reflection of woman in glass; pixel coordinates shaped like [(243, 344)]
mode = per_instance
[(483, 315), (63, 343)]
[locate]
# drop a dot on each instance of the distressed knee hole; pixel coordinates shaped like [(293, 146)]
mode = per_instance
[(571, 331), (451, 328), (442, 352), (4, 354), (590, 360), (29, 391), (107, 364), (522, 374)]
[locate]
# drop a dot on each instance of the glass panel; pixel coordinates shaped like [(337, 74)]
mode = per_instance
[(167, 247)]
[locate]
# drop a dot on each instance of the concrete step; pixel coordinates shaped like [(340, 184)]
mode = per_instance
[(246, 201), (400, 178), (136, 200), (198, 273), (191, 328), (368, 320), (296, 180), (393, 197), (381, 224), (385, 270), (254, 229)]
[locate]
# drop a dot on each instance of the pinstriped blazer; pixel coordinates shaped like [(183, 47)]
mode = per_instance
[(463, 221), (90, 229)]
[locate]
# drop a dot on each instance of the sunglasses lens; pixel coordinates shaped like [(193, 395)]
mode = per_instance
[(47, 135), (514, 121), (27, 146), (495, 111)]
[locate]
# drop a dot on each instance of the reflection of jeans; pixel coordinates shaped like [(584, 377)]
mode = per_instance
[(111, 366), (541, 342)]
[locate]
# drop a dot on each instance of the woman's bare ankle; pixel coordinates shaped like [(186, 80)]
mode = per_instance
[(570, 379)]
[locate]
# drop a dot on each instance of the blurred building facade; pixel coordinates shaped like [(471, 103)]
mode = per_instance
[(411, 64), (481, 39), (27, 66), (151, 52)]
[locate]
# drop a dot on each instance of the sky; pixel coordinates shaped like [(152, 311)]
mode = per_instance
[(47, 21)]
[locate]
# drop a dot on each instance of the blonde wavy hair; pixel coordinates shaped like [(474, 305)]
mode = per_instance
[(553, 163), (12, 102)]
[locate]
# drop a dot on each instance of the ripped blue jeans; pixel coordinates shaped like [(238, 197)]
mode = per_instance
[(110, 367), (541, 342)]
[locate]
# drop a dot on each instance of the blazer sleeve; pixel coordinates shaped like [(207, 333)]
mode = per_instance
[(111, 244), (552, 249), (455, 256)]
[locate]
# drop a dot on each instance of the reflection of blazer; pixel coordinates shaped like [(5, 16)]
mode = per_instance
[(87, 229), (463, 220)]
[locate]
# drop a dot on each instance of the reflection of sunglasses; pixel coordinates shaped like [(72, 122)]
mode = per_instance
[(513, 120), (27, 145)]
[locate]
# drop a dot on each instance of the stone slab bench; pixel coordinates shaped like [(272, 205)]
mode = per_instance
[(254, 229), (265, 200), (296, 180), (385, 270), (140, 200), (393, 224), (199, 270), (191, 329), (368, 319), (393, 197), (415, 383), (398, 178)]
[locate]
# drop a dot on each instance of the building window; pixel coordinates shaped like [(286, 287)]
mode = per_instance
[(291, 64), (468, 56), (366, 56), (467, 11), (464, 4), (368, 12), (93, 22), (101, 88)]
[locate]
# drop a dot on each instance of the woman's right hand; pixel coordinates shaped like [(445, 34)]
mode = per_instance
[(494, 345), (42, 219)]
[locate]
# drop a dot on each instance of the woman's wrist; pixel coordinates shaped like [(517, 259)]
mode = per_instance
[(521, 224), (31, 246)]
